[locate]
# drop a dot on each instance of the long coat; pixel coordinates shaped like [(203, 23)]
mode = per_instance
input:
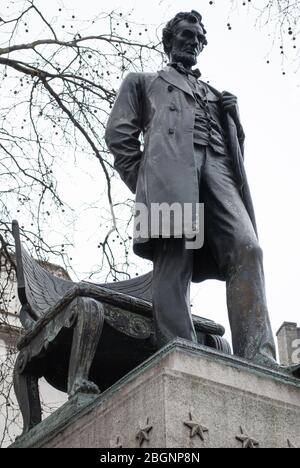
[(161, 107)]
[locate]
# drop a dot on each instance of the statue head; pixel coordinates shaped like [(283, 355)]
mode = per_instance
[(184, 38)]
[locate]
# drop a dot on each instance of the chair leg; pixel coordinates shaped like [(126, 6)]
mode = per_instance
[(86, 336), (219, 343), (27, 393)]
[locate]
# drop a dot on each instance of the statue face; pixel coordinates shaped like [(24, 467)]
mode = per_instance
[(187, 43)]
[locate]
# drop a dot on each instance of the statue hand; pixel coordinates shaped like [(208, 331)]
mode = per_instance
[(230, 105)]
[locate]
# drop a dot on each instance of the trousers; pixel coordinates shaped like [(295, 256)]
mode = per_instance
[(234, 244)]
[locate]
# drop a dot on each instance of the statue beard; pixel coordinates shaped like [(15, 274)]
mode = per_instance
[(187, 60)]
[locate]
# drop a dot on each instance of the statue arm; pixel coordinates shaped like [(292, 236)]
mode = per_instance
[(124, 128), (241, 136), (230, 105), (240, 130)]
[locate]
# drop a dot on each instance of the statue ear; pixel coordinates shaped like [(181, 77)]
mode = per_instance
[(169, 49)]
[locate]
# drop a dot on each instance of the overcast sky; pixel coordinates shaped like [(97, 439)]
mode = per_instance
[(270, 110)]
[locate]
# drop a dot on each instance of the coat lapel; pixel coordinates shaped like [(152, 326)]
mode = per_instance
[(172, 76), (214, 91), (175, 78)]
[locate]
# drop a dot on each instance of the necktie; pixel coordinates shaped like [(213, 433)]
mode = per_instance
[(181, 69)]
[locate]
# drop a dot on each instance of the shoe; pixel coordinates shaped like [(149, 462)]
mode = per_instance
[(266, 361), (272, 364)]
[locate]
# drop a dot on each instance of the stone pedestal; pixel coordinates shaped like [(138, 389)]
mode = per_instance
[(185, 396)]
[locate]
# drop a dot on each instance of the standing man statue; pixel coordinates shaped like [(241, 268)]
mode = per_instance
[(193, 152)]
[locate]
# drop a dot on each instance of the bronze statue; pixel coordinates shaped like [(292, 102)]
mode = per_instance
[(83, 337), (193, 152)]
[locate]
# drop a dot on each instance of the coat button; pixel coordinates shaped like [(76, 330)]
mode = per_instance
[(172, 108), (170, 88), (171, 131)]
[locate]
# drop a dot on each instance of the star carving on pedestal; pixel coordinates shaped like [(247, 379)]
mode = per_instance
[(247, 441), (116, 443), (195, 428), (290, 444), (143, 434)]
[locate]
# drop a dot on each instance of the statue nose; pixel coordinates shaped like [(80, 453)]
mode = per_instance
[(194, 43), (192, 46)]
